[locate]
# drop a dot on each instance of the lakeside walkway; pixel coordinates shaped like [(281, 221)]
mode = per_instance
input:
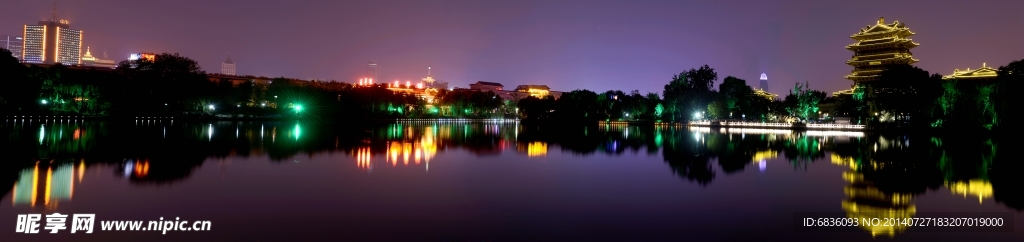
[(726, 124)]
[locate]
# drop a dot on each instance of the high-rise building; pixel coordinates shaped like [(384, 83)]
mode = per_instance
[(13, 44), (764, 82), (373, 72), (879, 46), (52, 41), (228, 67)]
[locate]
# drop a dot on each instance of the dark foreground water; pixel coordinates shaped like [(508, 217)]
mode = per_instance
[(488, 181)]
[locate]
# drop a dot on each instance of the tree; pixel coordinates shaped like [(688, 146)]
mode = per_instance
[(803, 102), (736, 95), (690, 92)]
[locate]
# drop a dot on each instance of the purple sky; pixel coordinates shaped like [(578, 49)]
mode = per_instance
[(596, 44)]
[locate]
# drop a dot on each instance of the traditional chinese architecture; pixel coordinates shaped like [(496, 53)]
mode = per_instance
[(984, 73), (878, 47), (764, 94)]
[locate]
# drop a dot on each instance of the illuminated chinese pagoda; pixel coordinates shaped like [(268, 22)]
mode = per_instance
[(983, 73), (879, 46)]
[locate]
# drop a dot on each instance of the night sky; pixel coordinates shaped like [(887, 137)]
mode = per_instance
[(596, 44)]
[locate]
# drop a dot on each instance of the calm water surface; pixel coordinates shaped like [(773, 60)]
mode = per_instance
[(485, 181)]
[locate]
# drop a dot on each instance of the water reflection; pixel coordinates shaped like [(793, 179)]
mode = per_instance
[(884, 173), (46, 184)]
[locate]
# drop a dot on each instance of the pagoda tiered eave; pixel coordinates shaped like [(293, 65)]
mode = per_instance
[(903, 59), (905, 43)]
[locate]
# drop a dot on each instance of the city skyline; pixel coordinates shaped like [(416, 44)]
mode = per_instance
[(567, 45)]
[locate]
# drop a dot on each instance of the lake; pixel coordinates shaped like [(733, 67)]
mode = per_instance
[(499, 181)]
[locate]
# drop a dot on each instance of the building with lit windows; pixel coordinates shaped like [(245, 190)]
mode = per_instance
[(52, 41), (228, 67), (13, 44), (538, 91), (373, 71)]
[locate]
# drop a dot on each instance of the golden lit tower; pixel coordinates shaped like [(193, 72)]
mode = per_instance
[(878, 47)]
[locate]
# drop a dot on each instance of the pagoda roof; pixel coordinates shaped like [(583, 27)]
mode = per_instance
[(883, 29), (228, 61), (490, 83), (867, 44), (901, 58), (981, 73), (527, 87), (845, 92)]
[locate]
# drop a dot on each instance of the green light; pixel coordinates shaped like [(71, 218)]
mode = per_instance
[(298, 131), (298, 108)]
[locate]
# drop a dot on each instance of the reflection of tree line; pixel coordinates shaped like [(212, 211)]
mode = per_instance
[(172, 151)]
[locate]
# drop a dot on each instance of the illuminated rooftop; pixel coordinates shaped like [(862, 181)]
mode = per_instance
[(984, 72)]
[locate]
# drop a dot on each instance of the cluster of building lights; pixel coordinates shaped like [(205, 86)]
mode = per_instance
[(366, 81)]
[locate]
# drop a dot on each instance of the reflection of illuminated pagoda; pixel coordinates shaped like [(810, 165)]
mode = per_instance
[(864, 200), (974, 188)]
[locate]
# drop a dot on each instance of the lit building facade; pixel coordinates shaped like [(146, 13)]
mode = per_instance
[(538, 91), (766, 95), (51, 42), (13, 44), (142, 56), (373, 71), (89, 60), (878, 47), (764, 82), (984, 73), (228, 67)]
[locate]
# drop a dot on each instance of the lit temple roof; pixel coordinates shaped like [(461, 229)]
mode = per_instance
[(981, 73), (881, 29), (88, 55), (490, 83), (228, 61), (527, 87), (764, 94)]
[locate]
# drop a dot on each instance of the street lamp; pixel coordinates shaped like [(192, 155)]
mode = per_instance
[(44, 102), (211, 107)]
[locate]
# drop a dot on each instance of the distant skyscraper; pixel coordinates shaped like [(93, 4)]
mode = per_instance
[(764, 82), (13, 44), (373, 71), (52, 41), (228, 67)]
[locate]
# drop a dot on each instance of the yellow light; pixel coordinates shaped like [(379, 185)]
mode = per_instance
[(24, 32), (56, 53), (536, 149), (35, 184), (80, 34), (49, 179), (44, 43)]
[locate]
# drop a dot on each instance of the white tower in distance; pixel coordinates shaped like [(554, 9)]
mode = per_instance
[(228, 67), (764, 82)]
